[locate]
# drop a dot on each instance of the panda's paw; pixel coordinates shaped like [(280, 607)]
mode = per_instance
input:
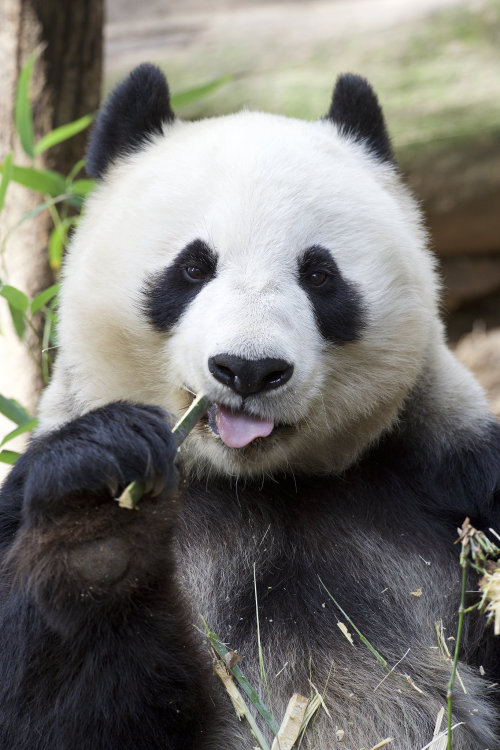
[(77, 553), (88, 462)]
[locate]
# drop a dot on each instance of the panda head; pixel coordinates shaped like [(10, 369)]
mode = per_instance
[(277, 265)]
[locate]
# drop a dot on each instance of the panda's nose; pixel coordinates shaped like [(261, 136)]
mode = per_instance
[(247, 376)]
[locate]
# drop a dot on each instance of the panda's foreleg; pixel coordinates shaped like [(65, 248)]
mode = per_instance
[(96, 650)]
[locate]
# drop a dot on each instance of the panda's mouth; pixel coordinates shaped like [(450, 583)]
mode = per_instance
[(237, 428)]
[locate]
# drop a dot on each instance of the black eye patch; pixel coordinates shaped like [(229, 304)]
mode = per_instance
[(168, 293), (336, 302)]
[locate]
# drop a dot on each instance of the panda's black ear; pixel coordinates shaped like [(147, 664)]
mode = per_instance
[(135, 110), (356, 112)]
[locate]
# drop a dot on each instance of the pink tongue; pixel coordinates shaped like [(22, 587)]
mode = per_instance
[(237, 429)]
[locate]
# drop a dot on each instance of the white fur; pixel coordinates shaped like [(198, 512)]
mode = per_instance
[(259, 189)]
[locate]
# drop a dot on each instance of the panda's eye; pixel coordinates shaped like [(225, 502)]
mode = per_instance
[(316, 278), (194, 273)]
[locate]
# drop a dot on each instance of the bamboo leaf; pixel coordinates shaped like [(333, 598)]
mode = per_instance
[(183, 98), (44, 181), (63, 133), (41, 299), (82, 187), (10, 408), (77, 168), (221, 649), (15, 297), (57, 241), (6, 177), (18, 321), (365, 640), (239, 704), (26, 427), (76, 201), (38, 210), (9, 457), (23, 114)]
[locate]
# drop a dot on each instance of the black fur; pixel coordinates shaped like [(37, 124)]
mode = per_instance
[(115, 654), (356, 112), (113, 664), (137, 109), (170, 292), (336, 302)]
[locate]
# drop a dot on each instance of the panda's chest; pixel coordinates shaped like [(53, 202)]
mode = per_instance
[(253, 562)]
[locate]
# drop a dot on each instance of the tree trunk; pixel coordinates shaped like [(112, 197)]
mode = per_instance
[(65, 86)]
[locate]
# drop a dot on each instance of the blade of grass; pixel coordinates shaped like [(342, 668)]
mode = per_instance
[(367, 643), (262, 668), (461, 609)]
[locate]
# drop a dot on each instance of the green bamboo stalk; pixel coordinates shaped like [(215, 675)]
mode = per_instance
[(135, 490)]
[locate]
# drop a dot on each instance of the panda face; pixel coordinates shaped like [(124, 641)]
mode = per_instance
[(270, 263)]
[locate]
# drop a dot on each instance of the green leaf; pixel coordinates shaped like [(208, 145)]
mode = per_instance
[(6, 177), (11, 409), (77, 168), (76, 201), (191, 95), (82, 187), (23, 113), (17, 320), (15, 297), (9, 457), (63, 133), (57, 241), (44, 181), (38, 209), (26, 427), (41, 299)]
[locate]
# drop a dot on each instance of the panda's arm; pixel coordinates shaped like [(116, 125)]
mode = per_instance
[(467, 485), (90, 615)]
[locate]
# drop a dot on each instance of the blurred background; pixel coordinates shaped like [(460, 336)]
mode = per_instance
[(435, 65)]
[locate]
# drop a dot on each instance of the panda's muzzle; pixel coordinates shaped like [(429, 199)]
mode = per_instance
[(250, 376)]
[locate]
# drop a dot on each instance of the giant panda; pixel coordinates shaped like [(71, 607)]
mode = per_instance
[(281, 268)]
